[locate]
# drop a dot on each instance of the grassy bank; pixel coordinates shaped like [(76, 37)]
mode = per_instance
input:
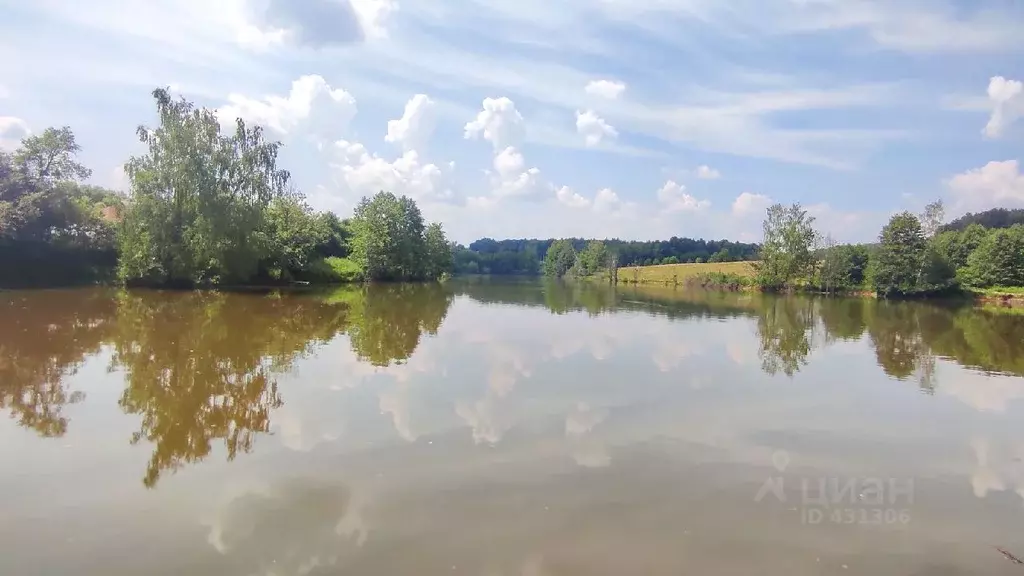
[(683, 274)]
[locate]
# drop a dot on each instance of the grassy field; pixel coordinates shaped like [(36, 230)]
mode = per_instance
[(678, 273)]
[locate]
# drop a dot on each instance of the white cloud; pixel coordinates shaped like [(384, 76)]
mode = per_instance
[(416, 126), (1007, 101), (366, 174), (12, 131), (673, 198), (310, 96), (314, 23), (568, 197), (705, 172), (609, 89), (511, 179), (749, 203), (607, 200), (373, 16), (498, 122), (593, 128), (996, 184), (509, 162)]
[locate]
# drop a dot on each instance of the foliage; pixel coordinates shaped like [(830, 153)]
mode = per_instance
[(293, 234), (437, 259), (560, 258), (720, 256), (994, 218), (997, 261), (332, 270), (932, 217), (198, 211), (956, 245), (592, 258), (390, 242), (53, 229), (719, 281), (786, 252), (523, 257), (905, 264)]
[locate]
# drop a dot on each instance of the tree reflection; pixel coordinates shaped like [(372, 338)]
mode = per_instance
[(388, 319), (200, 367), (46, 335), (783, 327)]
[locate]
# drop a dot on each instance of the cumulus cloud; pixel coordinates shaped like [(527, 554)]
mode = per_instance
[(317, 23), (510, 179), (498, 122), (12, 131), (610, 89), (593, 128), (750, 203), (994, 184), (705, 172), (414, 128), (1007, 101), (568, 197), (310, 98), (365, 173), (607, 200), (673, 198)]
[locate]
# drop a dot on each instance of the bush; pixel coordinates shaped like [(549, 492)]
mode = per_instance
[(997, 261), (332, 270), (719, 281)]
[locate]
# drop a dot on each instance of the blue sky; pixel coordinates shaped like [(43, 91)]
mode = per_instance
[(537, 118)]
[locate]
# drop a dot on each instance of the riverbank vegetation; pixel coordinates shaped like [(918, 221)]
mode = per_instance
[(525, 257), (207, 207)]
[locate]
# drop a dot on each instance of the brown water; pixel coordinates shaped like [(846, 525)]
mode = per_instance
[(506, 428)]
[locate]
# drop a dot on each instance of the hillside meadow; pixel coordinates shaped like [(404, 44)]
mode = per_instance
[(679, 273)]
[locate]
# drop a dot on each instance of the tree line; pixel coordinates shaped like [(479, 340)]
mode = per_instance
[(916, 254), (526, 256), (206, 207)]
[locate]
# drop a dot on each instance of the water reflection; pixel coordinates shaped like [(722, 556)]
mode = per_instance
[(296, 526), (201, 369), (905, 336), (45, 336)]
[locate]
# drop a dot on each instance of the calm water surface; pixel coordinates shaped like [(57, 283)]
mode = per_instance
[(506, 429)]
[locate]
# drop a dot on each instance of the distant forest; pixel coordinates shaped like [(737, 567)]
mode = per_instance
[(994, 218), (489, 256)]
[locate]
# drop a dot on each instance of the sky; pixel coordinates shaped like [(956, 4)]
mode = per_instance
[(636, 119)]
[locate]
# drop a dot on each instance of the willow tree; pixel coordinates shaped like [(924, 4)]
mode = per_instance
[(197, 212)]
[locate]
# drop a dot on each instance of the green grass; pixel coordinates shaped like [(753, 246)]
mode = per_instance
[(999, 291), (679, 273), (333, 270)]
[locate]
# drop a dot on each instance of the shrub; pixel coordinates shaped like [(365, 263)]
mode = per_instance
[(332, 270)]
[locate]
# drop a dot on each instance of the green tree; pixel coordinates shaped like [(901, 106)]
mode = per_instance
[(198, 207), (786, 252), (998, 259), (836, 262), (438, 252), (720, 256), (389, 240), (560, 258), (905, 263), (592, 258), (293, 233), (51, 157)]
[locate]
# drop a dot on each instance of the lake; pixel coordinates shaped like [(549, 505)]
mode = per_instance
[(507, 428)]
